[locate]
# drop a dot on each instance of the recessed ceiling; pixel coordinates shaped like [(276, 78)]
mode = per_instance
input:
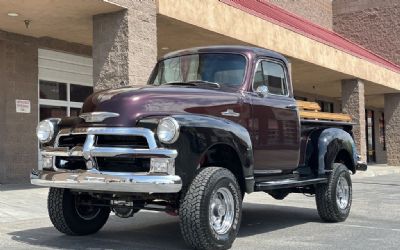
[(66, 20)]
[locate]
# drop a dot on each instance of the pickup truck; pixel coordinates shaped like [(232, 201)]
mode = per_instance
[(212, 124)]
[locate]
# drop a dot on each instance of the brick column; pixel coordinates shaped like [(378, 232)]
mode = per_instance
[(124, 45), (353, 103), (392, 128)]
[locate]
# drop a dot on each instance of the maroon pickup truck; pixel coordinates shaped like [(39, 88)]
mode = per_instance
[(212, 124)]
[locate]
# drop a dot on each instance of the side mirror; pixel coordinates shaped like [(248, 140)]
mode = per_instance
[(262, 90)]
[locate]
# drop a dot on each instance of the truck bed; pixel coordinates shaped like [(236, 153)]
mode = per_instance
[(311, 111)]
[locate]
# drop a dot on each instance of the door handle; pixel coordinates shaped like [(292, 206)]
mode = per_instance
[(291, 106)]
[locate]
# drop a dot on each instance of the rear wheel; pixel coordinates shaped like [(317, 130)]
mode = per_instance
[(334, 198), (210, 211), (73, 214)]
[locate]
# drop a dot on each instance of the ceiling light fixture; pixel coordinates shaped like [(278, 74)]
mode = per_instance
[(12, 14), (165, 48)]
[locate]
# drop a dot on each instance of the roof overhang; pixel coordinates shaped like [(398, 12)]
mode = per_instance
[(250, 28), (66, 20)]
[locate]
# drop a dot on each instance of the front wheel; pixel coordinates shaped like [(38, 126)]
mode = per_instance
[(334, 198), (211, 209), (73, 214)]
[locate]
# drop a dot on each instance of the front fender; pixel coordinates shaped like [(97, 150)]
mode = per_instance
[(198, 133), (330, 142)]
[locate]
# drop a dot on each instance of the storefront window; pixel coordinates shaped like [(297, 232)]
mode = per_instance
[(47, 111), (79, 93), (53, 90), (74, 112), (382, 137), (326, 106), (370, 131), (59, 99)]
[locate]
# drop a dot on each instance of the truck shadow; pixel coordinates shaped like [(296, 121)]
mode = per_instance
[(263, 218), (148, 230)]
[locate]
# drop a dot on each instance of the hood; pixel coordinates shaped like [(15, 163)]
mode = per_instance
[(136, 102)]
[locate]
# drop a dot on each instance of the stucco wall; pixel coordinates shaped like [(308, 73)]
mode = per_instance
[(125, 44), (317, 11), (19, 80), (392, 121), (372, 24), (18, 74)]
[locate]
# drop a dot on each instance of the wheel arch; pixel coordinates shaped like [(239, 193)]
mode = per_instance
[(336, 146), (226, 156), (216, 134)]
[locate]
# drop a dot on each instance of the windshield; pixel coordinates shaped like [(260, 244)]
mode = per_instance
[(226, 70)]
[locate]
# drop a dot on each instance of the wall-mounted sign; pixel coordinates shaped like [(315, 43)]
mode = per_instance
[(23, 106)]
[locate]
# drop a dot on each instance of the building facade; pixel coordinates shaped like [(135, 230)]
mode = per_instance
[(344, 55)]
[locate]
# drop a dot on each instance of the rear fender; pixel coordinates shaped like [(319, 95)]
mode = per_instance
[(330, 142)]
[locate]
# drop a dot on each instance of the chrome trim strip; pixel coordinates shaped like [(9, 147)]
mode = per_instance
[(97, 116), (93, 180), (109, 152), (269, 171), (88, 151)]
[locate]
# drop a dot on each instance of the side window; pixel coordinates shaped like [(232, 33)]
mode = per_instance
[(272, 75)]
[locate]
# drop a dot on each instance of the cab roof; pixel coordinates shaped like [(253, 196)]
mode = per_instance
[(247, 50)]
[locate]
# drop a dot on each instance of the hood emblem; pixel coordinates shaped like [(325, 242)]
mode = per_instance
[(97, 116), (230, 112)]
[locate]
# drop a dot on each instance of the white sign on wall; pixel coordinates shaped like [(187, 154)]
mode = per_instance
[(23, 106)]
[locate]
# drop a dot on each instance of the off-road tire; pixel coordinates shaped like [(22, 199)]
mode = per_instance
[(325, 195), (65, 218), (194, 209)]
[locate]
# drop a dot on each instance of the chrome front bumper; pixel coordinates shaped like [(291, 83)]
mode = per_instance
[(93, 180)]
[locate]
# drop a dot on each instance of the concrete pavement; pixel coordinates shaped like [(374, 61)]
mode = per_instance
[(293, 223)]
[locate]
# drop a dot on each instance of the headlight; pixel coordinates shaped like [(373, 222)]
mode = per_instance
[(168, 130), (45, 130)]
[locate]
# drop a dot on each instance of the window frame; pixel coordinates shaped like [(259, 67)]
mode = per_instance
[(260, 60), (68, 104)]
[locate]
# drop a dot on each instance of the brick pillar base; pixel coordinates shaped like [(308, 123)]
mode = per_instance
[(392, 128), (353, 103), (124, 45)]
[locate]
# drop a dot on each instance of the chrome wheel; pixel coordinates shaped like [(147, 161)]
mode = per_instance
[(221, 210), (342, 193)]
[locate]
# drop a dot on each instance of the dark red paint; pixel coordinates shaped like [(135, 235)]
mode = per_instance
[(274, 128)]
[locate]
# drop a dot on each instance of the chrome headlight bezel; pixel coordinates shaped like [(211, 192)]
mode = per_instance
[(48, 127), (168, 130)]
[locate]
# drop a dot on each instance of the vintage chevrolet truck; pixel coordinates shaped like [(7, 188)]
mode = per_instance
[(212, 124)]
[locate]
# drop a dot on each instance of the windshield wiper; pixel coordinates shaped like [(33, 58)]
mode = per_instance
[(196, 82), (180, 83)]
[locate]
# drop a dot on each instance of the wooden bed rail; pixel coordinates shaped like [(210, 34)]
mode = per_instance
[(312, 110)]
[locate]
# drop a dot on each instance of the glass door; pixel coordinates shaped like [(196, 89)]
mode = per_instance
[(59, 99), (370, 134)]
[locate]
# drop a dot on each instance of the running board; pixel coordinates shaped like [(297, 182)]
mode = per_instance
[(287, 183)]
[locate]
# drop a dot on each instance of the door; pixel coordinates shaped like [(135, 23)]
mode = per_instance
[(64, 82), (275, 121), (370, 132)]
